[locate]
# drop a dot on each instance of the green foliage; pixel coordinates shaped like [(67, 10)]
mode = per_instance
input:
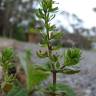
[(45, 67), (32, 30), (6, 59), (46, 13), (47, 6), (61, 90), (19, 33), (56, 35), (72, 56), (69, 71), (17, 90), (33, 76), (42, 54), (36, 73), (6, 62), (7, 54)]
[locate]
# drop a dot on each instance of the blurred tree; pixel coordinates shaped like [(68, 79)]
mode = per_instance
[(77, 25), (74, 22), (15, 13)]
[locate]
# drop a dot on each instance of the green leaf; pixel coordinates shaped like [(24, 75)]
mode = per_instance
[(51, 27), (54, 9), (44, 39), (28, 53), (56, 47), (52, 17), (56, 35), (57, 65), (17, 91), (41, 13), (72, 56), (44, 67), (61, 89), (35, 77), (7, 55), (54, 58), (70, 71), (44, 5), (42, 54), (6, 59)]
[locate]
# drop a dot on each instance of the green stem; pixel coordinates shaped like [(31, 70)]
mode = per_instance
[(50, 54)]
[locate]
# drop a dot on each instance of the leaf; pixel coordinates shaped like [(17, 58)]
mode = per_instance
[(40, 14), (51, 27), (72, 56), (56, 35), (70, 71), (44, 67), (52, 17), (61, 89), (28, 53), (35, 77), (17, 91), (56, 47), (54, 58), (57, 65), (7, 55), (41, 54), (54, 9)]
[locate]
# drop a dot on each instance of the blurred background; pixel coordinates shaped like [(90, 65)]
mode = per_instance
[(76, 19)]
